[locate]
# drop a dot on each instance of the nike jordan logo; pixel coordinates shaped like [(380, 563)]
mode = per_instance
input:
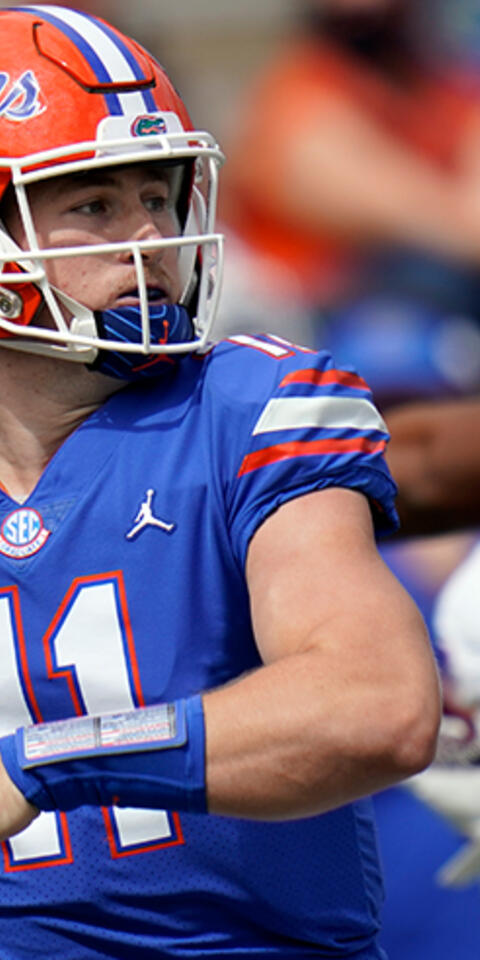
[(146, 518)]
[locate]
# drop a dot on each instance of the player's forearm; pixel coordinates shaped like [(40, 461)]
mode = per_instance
[(289, 740), (295, 739), (16, 812)]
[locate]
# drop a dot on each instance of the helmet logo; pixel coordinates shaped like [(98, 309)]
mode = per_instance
[(20, 100), (147, 126)]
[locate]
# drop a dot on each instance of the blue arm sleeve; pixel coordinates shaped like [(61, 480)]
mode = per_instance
[(162, 772)]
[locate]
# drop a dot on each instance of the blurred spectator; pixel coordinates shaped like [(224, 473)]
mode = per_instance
[(352, 151), (457, 630), (430, 831), (412, 342), (425, 827), (442, 807), (434, 455)]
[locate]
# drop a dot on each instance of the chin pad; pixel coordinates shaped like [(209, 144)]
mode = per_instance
[(169, 323)]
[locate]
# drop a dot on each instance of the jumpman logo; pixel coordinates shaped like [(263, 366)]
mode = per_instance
[(145, 518)]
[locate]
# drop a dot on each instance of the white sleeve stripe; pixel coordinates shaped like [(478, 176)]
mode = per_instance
[(275, 350), (291, 413)]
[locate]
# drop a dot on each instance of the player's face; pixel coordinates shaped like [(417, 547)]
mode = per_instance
[(107, 206)]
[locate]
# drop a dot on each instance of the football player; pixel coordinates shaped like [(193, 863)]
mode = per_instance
[(206, 667)]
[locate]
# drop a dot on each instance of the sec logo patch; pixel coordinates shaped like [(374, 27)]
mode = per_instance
[(22, 533)]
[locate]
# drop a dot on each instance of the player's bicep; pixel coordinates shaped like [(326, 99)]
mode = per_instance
[(316, 579)]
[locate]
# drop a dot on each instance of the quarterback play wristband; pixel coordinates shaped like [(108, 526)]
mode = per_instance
[(150, 757)]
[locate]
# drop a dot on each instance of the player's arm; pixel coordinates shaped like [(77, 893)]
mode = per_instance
[(348, 700), (346, 703), (435, 459), (16, 812)]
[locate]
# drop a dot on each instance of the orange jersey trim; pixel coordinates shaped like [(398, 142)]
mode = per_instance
[(321, 377), (302, 448)]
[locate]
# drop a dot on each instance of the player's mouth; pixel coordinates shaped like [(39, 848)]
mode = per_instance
[(155, 295)]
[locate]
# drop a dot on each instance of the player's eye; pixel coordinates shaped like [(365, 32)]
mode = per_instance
[(156, 204), (90, 207), (158, 201)]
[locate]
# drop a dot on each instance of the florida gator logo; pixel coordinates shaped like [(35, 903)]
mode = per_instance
[(148, 125)]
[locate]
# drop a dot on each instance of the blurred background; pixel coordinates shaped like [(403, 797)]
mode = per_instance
[(350, 200)]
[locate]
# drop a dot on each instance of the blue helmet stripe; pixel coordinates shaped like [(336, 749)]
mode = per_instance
[(150, 104), (103, 74)]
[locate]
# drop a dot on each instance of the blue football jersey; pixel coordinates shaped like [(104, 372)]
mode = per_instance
[(123, 584)]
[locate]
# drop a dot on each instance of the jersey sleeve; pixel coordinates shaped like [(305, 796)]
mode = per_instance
[(294, 423)]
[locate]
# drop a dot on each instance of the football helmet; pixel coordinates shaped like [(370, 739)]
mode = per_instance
[(76, 94)]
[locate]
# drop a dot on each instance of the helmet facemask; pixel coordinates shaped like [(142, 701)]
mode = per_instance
[(77, 333)]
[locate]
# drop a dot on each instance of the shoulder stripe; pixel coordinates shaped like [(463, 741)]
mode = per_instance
[(278, 350), (292, 413), (321, 378), (290, 343), (302, 448)]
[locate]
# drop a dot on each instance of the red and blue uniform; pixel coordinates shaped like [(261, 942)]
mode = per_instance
[(122, 583)]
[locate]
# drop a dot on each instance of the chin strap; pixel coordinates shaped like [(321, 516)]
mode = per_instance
[(169, 323)]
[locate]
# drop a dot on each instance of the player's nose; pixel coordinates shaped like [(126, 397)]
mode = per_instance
[(139, 225)]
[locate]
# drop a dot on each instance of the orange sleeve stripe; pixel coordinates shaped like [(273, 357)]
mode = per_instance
[(322, 377), (302, 448)]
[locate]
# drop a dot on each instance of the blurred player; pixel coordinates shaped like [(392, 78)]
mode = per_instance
[(365, 172), (435, 459), (206, 661), (452, 783)]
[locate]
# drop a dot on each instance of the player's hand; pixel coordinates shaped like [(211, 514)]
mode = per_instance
[(16, 812)]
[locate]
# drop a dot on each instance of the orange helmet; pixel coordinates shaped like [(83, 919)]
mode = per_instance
[(75, 94)]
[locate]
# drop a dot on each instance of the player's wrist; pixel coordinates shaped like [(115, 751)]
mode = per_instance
[(16, 812), (151, 757)]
